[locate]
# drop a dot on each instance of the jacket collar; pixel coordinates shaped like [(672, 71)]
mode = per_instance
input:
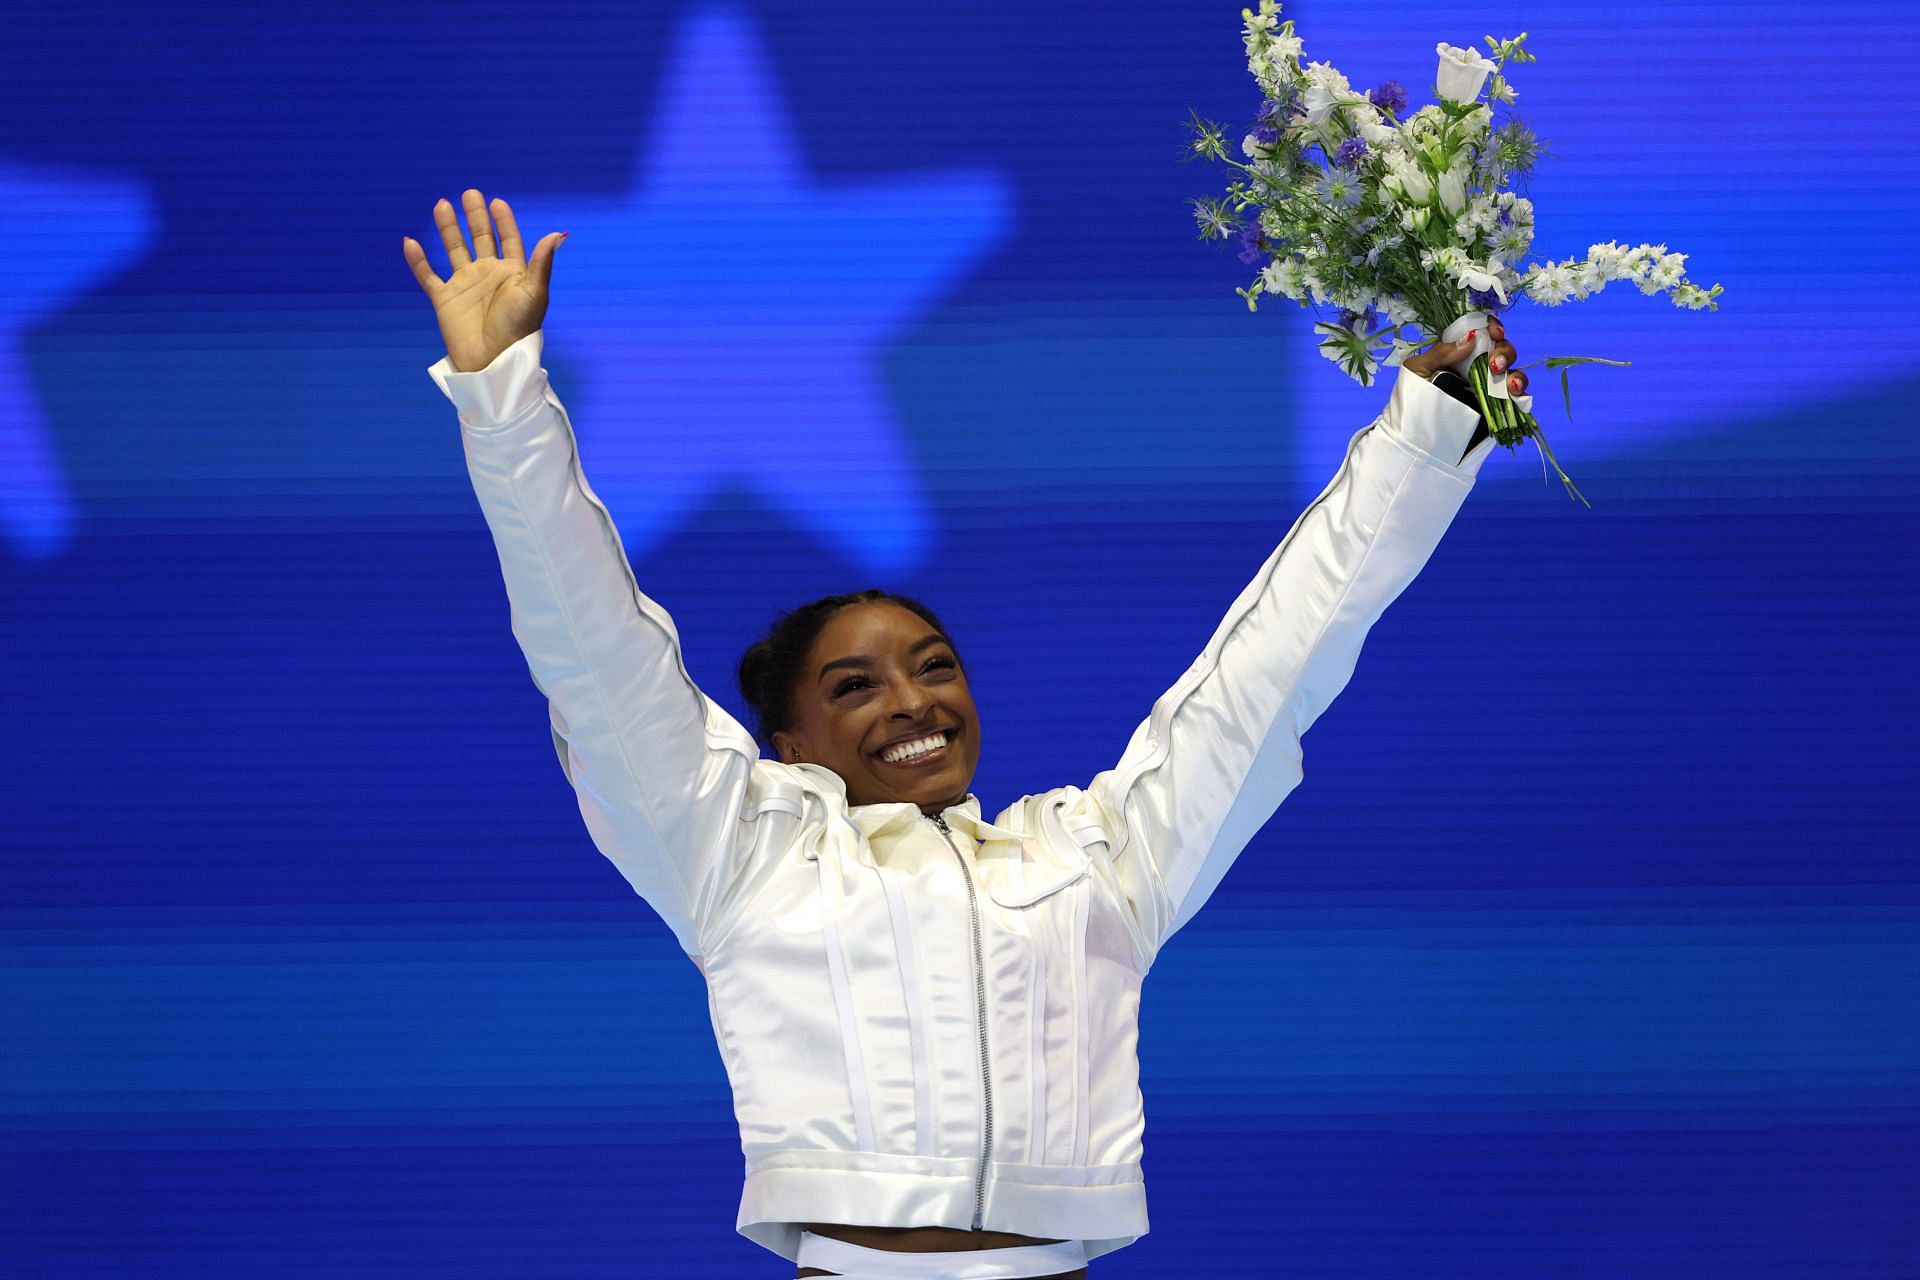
[(872, 819)]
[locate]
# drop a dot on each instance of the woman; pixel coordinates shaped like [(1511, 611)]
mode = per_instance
[(928, 1019)]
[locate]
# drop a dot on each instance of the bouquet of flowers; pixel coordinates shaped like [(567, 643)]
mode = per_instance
[(1406, 221)]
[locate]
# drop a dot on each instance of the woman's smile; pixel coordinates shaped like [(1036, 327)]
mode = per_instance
[(920, 753)]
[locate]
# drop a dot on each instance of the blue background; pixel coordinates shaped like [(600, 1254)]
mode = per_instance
[(1588, 947)]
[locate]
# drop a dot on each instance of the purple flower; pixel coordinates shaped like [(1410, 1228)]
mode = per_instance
[(1391, 96), (1272, 108), (1250, 242), (1485, 300), (1351, 152), (1358, 321), (1266, 133)]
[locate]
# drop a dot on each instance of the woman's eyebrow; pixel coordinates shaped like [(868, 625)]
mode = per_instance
[(862, 660)]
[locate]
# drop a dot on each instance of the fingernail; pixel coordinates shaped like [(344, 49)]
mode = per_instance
[(565, 234), (1469, 337), (1498, 364)]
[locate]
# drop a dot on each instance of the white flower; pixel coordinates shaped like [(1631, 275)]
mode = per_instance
[(1492, 276), (1398, 312), (1401, 350), (1251, 145), (1589, 278), (1666, 273), (1317, 103), (1372, 132), (1325, 73), (1327, 88), (1548, 284), (1448, 260), (1410, 179), (1286, 277), (1610, 261), (1452, 190), (1694, 298), (1462, 74)]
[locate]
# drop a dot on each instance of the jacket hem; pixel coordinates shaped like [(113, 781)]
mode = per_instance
[(1105, 1206)]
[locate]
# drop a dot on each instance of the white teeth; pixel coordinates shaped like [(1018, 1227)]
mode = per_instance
[(918, 747)]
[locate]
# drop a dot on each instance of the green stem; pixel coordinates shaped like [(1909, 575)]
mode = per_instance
[(1509, 424), (1540, 440)]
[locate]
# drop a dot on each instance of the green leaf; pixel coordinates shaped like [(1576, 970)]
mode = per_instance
[(1562, 363), (1559, 362)]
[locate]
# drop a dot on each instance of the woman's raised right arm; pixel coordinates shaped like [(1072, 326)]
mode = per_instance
[(660, 770)]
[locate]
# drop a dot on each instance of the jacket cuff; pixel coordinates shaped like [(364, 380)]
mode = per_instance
[(1436, 424), (502, 393)]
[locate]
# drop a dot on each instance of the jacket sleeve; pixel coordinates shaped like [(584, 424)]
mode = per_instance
[(1221, 749), (659, 769)]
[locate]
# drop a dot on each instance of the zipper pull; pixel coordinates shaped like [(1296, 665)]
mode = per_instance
[(940, 822)]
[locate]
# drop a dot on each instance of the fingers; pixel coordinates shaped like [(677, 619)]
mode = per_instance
[(417, 259), (476, 207), (541, 268), (1503, 356), (510, 247), (1441, 355), (450, 236)]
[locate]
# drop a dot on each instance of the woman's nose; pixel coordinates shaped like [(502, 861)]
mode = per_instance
[(911, 702)]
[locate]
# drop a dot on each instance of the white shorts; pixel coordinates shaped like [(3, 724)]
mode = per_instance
[(857, 1262)]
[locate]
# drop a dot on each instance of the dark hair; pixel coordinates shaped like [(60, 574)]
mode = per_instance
[(770, 669)]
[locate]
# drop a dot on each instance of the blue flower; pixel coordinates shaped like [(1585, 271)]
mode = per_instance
[(1351, 152), (1273, 108), (1485, 300), (1359, 321), (1266, 133), (1250, 242), (1339, 187), (1391, 96)]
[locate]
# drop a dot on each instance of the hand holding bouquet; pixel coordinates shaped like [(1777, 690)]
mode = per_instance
[(1406, 223)]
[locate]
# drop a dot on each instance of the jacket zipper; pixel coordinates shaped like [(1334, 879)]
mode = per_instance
[(980, 1004)]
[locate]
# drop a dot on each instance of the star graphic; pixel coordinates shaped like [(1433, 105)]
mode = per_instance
[(727, 316), (83, 229)]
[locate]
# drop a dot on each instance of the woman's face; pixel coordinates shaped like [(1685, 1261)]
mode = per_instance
[(879, 677)]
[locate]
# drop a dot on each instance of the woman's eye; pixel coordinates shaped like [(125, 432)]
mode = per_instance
[(854, 682)]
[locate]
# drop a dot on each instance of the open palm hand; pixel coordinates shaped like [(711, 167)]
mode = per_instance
[(491, 299)]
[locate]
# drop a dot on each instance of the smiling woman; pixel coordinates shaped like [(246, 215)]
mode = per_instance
[(929, 1020), (868, 685)]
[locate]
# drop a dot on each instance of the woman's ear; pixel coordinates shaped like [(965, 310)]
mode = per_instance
[(785, 749)]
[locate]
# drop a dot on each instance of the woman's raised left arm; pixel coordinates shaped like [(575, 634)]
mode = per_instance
[(1221, 748)]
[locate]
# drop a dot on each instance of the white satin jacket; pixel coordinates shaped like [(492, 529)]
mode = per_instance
[(931, 1021)]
